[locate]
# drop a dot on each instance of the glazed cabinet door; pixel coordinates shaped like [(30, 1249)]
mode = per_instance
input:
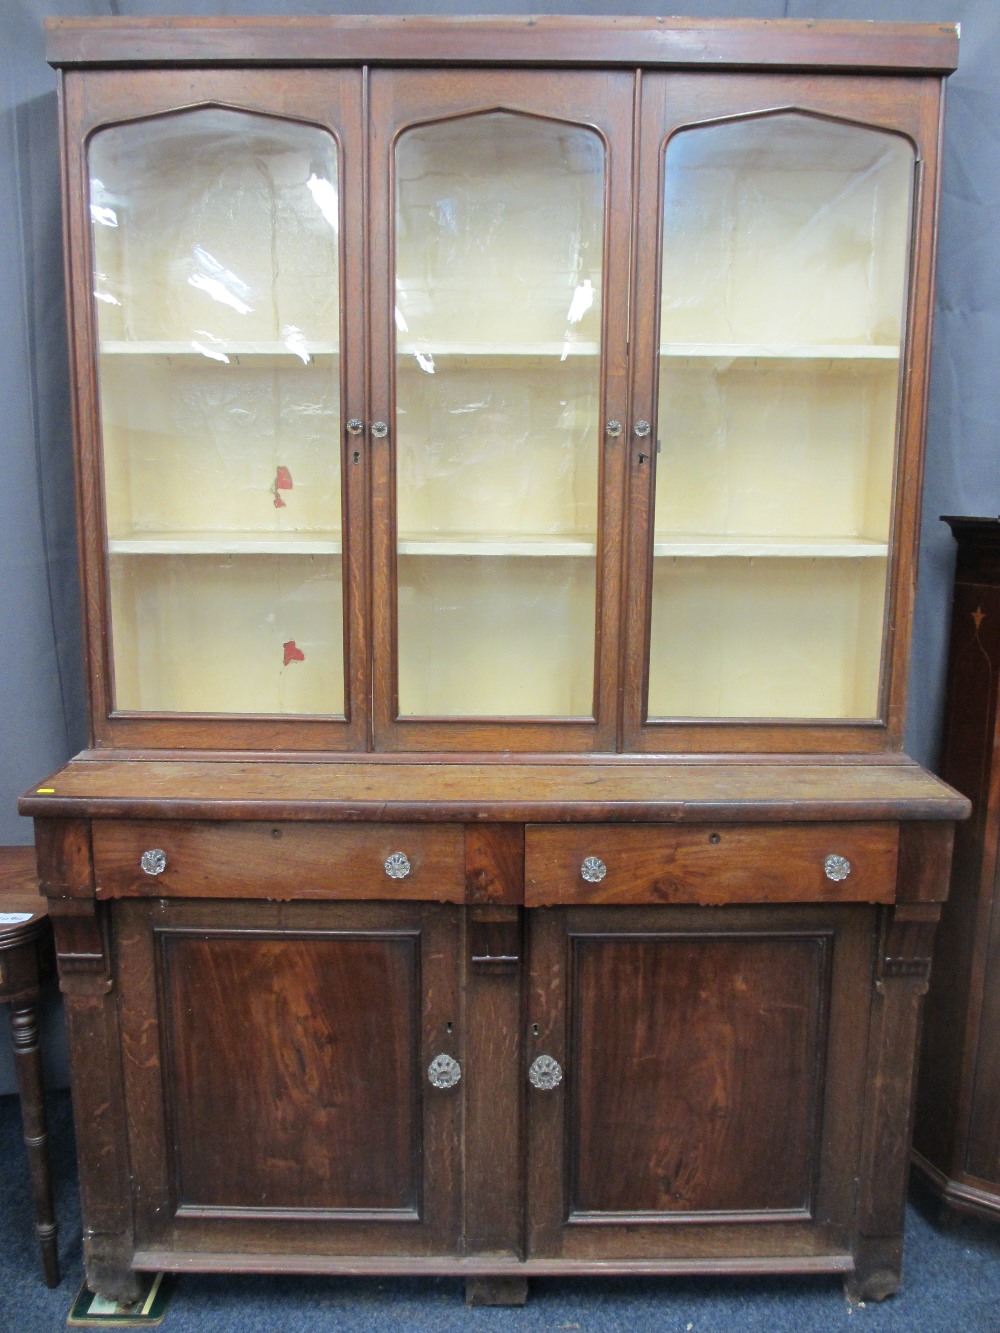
[(499, 264), (694, 1081), (291, 1076), (218, 328), (785, 231)]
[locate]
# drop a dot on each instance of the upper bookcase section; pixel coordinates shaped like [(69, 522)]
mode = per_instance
[(498, 385), (883, 48)]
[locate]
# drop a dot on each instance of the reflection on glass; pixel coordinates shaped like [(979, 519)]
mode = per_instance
[(216, 285), (499, 238), (784, 269)]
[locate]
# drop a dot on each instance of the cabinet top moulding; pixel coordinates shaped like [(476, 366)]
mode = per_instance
[(577, 40)]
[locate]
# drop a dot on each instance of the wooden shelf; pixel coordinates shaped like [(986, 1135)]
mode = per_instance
[(225, 353), (489, 544), (794, 548), (781, 352), (457, 354), (226, 543)]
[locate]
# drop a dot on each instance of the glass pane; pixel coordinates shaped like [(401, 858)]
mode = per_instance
[(216, 278), (499, 238), (784, 271)]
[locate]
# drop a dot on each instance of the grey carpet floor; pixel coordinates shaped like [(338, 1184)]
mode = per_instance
[(951, 1284)]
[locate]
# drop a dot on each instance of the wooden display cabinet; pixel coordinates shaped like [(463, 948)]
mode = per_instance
[(499, 451)]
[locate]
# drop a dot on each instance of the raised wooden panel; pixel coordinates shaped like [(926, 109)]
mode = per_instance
[(697, 1062), (275, 1061), (279, 860), (729, 864), (713, 1080), (289, 1088)]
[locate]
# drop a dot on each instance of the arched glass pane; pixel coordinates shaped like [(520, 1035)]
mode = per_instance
[(216, 285), (499, 241), (785, 245)]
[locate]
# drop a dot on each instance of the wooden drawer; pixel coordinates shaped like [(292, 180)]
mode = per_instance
[(280, 861), (727, 863)]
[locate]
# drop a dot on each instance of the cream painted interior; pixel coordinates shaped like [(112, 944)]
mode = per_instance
[(784, 272)]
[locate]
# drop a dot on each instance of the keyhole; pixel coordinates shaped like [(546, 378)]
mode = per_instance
[(535, 1029), (357, 456), (447, 1027), (642, 458)]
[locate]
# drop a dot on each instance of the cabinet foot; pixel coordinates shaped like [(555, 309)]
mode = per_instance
[(108, 1269), (496, 1290), (878, 1267)]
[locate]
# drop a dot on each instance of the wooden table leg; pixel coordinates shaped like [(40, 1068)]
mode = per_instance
[(24, 1030)]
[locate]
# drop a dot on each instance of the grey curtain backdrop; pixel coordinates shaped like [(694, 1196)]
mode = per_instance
[(42, 706)]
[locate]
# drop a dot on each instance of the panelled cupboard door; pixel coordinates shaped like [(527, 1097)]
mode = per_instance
[(276, 1064), (499, 278), (694, 1081), (784, 231), (217, 294)]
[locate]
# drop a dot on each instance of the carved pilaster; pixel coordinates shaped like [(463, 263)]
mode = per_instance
[(83, 954)]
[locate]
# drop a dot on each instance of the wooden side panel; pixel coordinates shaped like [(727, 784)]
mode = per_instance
[(955, 1010)]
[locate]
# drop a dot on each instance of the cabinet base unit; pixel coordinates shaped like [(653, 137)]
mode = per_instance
[(499, 446), (686, 1046)]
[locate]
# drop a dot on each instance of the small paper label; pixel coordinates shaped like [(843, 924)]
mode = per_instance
[(14, 918)]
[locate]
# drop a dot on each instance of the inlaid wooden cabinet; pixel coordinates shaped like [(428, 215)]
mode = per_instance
[(499, 447), (957, 1129)]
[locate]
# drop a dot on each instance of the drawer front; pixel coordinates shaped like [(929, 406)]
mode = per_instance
[(279, 861), (706, 864)]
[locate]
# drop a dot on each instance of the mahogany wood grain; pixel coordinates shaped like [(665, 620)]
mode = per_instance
[(695, 1067), (730, 790), (532, 39), (630, 1089), (343, 1145), (290, 1090), (762, 864), (494, 863), (279, 861)]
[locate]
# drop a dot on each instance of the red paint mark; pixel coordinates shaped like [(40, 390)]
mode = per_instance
[(282, 482), (293, 653)]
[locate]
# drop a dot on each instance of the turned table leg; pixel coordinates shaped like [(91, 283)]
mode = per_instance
[(24, 1030)]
